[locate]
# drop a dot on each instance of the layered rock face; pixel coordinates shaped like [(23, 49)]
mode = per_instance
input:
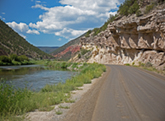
[(131, 40)]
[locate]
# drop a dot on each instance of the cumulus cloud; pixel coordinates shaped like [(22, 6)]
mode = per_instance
[(40, 6), (21, 27), (32, 32), (69, 33), (67, 21)]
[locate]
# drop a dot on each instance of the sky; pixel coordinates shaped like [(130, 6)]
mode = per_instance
[(55, 22)]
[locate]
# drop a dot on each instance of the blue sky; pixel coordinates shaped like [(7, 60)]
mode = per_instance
[(55, 22)]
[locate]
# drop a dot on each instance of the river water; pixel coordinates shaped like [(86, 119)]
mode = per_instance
[(34, 77)]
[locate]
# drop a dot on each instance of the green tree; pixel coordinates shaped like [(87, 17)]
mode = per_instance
[(21, 58), (4, 58), (13, 57)]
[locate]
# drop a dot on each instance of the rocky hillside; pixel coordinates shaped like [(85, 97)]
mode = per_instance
[(12, 43), (68, 50), (131, 38)]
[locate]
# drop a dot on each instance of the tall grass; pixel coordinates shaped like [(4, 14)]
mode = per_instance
[(15, 102), (148, 66)]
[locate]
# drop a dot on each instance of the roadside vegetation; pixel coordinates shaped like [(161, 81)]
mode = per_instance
[(14, 60), (147, 66), (16, 102)]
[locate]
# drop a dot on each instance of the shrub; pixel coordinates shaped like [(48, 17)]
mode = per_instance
[(127, 64), (128, 7), (4, 58), (79, 55), (149, 8), (133, 63), (84, 51), (15, 62), (141, 64), (96, 31), (138, 13), (13, 57), (74, 65), (134, 8), (63, 65), (87, 34), (111, 18), (148, 64), (21, 58)]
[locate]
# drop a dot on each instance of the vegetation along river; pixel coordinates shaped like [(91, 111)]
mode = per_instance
[(34, 77)]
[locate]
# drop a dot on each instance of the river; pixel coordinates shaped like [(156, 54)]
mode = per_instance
[(34, 77)]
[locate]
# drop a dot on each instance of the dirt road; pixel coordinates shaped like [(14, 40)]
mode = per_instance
[(123, 94)]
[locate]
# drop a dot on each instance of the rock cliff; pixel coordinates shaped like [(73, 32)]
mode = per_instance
[(130, 40)]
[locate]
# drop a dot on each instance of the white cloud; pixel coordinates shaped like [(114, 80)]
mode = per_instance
[(3, 12), (40, 6), (69, 33), (21, 27), (68, 20), (32, 32), (38, 1), (59, 39)]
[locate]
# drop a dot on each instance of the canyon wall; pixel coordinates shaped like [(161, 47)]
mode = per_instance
[(130, 40)]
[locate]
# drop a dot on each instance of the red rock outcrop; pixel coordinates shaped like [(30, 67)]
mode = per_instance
[(73, 49)]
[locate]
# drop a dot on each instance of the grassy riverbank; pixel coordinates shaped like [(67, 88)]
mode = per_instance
[(15, 102), (14, 60)]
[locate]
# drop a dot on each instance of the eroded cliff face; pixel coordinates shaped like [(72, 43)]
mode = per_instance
[(130, 40)]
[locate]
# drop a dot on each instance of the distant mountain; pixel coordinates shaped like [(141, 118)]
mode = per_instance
[(48, 49), (68, 50), (12, 43)]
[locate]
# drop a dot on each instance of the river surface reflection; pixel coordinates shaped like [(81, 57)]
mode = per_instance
[(33, 77)]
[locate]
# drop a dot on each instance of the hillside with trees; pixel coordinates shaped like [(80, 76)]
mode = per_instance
[(12, 43), (48, 49)]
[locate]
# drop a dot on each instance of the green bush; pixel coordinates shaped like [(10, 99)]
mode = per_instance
[(87, 34), (149, 8), (15, 62), (148, 64), (111, 18), (134, 8), (79, 55), (13, 57), (4, 58), (141, 64), (21, 58), (84, 51), (63, 65), (138, 13), (128, 7), (127, 64)]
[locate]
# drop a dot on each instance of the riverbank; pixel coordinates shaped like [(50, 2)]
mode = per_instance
[(60, 110), (18, 102)]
